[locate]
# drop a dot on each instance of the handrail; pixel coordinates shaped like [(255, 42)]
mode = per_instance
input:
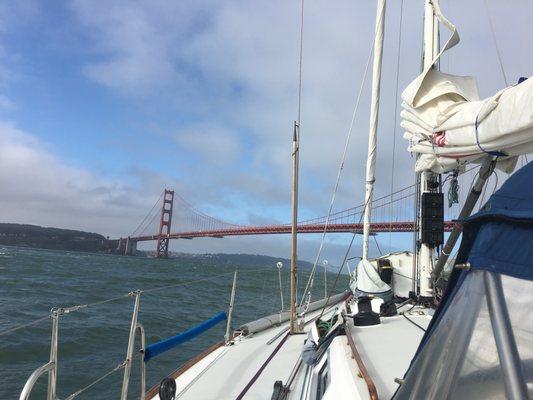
[(515, 384), (26, 391), (131, 344), (140, 328), (50, 367), (227, 336)]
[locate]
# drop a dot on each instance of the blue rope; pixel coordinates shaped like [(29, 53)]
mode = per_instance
[(167, 344), (492, 153)]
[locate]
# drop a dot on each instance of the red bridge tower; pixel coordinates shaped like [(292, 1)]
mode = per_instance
[(164, 224)]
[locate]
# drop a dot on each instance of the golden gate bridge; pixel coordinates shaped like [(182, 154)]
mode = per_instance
[(390, 213)]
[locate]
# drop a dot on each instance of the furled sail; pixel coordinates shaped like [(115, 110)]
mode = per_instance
[(448, 125), (366, 281)]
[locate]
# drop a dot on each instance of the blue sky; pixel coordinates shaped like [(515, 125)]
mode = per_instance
[(105, 103)]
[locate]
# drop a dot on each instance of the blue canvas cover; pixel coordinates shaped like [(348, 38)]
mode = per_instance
[(498, 239)]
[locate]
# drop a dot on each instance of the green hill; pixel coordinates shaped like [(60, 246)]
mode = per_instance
[(52, 238)]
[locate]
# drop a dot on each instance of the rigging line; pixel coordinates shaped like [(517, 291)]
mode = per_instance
[(147, 215), (84, 306), (413, 322), (495, 183), (97, 303), (339, 174), (338, 274), (482, 196), (66, 310), (495, 42), (300, 65), (186, 283), (340, 269), (395, 119), (16, 328), (377, 245), (80, 391)]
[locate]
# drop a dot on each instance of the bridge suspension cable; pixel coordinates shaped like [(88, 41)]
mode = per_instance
[(395, 215), (137, 229)]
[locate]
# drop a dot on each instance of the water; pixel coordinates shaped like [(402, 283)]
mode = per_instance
[(94, 340)]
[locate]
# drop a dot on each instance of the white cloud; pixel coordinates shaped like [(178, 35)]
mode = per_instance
[(39, 188), (214, 145), (234, 67), (229, 71)]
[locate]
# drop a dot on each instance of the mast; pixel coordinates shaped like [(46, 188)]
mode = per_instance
[(373, 128), (294, 224), (294, 191), (428, 180)]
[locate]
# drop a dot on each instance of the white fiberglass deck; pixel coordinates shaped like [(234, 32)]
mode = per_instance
[(387, 349), (225, 372)]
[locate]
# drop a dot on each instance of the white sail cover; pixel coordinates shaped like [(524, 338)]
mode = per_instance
[(366, 281), (448, 125)]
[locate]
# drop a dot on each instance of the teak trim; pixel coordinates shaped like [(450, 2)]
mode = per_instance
[(372, 391), (181, 370)]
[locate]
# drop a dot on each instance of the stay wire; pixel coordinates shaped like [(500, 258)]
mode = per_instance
[(71, 309), (309, 284), (346, 254), (80, 391), (186, 283), (493, 32), (395, 118), (377, 245), (300, 63), (16, 328)]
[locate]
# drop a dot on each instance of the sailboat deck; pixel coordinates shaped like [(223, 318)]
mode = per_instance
[(228, 370), (249, 368), (387, 349)]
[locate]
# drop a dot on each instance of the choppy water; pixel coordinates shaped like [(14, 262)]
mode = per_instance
[(94, 340)]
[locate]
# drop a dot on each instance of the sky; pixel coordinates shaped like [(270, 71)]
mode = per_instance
[(105, 103)]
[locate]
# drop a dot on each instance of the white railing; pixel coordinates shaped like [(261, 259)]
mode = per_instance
[(51, 366)]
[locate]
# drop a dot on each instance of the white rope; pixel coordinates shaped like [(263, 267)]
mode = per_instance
[(310, 282)]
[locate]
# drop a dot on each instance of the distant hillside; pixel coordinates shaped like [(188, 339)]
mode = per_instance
[(71, 240), (52, 238)]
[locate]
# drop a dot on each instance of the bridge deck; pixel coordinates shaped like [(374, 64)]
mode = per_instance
[(285, 229)]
